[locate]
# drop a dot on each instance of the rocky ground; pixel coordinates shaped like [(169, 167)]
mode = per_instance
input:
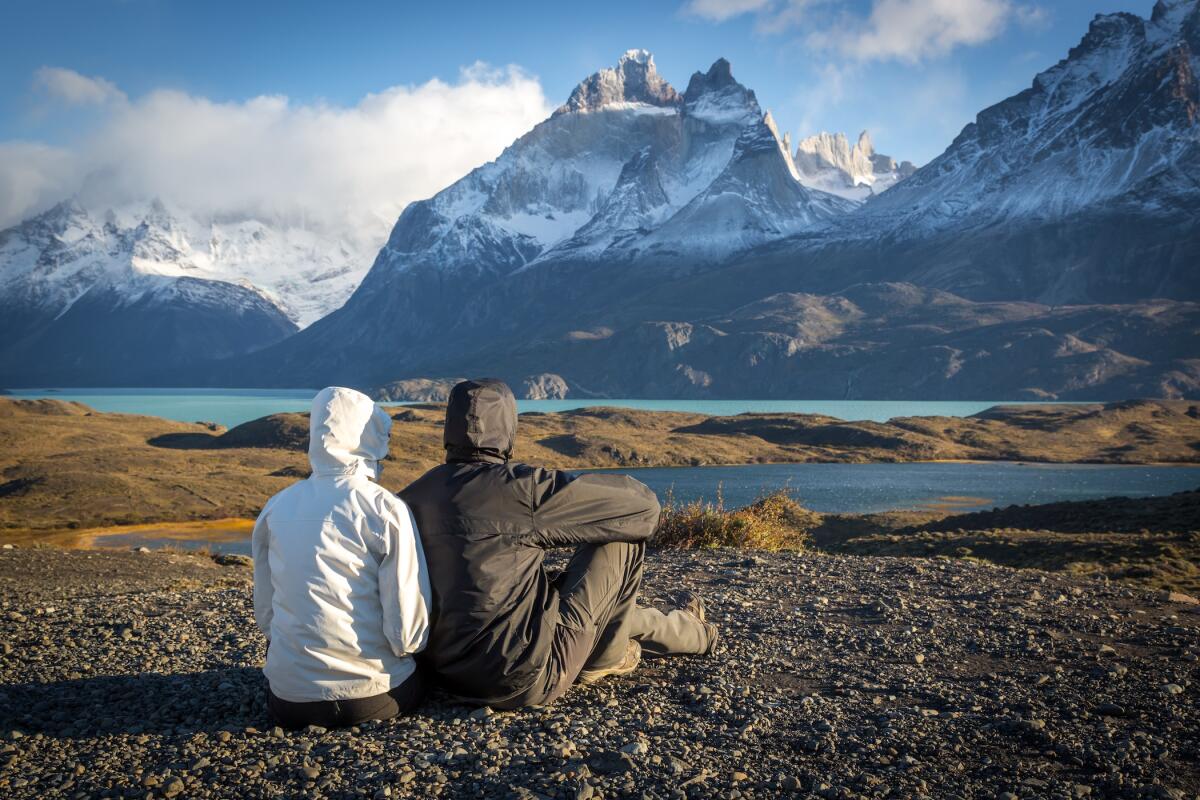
[(136, 675)]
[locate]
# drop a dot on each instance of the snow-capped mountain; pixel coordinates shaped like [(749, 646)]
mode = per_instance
[(67, 251), (637, 214), (1118, 120), (143, 286), (830, 163), (93, 301), (1084, 187), (627, 171), (626, 165)]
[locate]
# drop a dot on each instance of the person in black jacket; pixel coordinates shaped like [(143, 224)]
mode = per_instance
[(504, 632)]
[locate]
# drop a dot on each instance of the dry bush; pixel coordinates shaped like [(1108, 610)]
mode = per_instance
[(775, 521)]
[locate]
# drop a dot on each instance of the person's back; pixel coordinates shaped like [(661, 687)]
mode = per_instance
[(504, 632), (340, 587)]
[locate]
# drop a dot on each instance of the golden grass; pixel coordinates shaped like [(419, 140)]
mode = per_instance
[(775, 521)]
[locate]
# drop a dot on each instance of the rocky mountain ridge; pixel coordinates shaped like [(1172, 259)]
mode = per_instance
[(829, 162)]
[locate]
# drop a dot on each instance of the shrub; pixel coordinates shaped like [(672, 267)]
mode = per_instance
[(775, 521)]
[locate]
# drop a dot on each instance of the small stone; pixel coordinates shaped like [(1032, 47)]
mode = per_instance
[(610, 763), (1081, 790), (919, 658), (224, 736), (1180, 597), (1106, 650), (1006, 796), (311, 771), (636, 749), (277, 732), (142, 549), (483, 712), (8, 547), (173, 787), (1173, 688), (739, 777)]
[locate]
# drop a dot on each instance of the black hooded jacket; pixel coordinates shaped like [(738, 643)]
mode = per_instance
[(484, 524)]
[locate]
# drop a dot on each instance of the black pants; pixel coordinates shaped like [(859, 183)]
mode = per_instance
[(342, 713), (597, 616)]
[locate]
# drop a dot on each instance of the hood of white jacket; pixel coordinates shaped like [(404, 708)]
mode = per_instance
[(348, 433)]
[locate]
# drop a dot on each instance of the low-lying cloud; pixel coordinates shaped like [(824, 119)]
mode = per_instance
[(346, 169)]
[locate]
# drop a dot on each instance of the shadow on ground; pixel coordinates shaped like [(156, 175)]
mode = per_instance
[(152, 703)]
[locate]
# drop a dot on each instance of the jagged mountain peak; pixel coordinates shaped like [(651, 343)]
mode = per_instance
[(717, 98), (634, 79), (718, 76), (829, 162)]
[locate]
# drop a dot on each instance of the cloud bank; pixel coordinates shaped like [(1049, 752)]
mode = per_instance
[(346, 169)]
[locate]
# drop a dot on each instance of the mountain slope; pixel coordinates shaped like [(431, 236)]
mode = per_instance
[(90, 302)]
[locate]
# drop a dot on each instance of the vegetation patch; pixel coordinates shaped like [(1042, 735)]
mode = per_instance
[(775, 521)]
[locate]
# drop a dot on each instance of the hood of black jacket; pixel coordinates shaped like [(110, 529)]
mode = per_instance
[(481, 421)]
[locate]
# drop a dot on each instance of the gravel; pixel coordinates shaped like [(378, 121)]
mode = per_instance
[(838, 677)]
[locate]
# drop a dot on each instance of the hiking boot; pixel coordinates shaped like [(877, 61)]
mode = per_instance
[(693, 604), (633, 657)]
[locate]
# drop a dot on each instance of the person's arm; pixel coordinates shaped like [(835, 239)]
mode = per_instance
[(404, 589), (264, 593), (571, 509)]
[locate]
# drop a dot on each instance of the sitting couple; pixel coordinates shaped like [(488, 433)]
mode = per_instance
[(351, 582)]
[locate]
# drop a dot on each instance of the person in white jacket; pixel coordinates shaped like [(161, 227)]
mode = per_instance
[(340, 586)]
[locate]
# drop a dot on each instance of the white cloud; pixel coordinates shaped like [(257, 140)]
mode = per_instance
[(721, 10), (348, 169), (915, 30), (32, 177), (1035, 18), (893, 30), (72, 88)]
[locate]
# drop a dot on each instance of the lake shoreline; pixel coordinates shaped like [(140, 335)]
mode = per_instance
[(120, 469)]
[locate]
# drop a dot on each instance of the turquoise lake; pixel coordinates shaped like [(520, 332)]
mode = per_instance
[(230, 407)]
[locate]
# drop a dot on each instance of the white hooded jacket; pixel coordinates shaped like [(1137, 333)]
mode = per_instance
[(340, 586)]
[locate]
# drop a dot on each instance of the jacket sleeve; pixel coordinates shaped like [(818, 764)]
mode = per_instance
[(590, 509), (264, 593), (404, 589)]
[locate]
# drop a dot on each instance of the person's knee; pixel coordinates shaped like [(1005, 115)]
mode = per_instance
[(612, 553)]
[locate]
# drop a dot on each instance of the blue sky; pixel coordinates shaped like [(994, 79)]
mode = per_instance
[(912, 71)]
